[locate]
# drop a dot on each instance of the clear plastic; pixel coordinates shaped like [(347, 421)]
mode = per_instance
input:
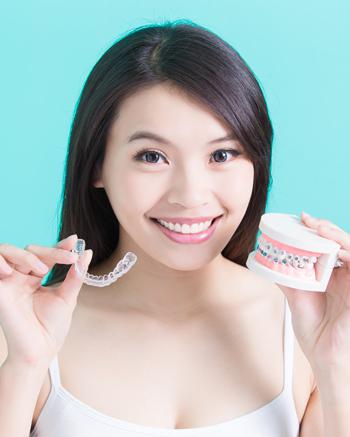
[(123, 266)]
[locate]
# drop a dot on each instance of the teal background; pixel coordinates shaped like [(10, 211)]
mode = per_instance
[(298, 50)]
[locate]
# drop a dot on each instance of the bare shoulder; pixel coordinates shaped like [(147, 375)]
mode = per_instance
[(269, 295)]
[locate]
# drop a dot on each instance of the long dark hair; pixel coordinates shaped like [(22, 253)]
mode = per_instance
[(196, 61)]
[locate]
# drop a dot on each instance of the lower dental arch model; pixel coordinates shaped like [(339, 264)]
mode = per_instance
[(123, 266)]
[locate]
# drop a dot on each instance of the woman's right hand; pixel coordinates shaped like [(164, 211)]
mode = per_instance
[(36, 319)]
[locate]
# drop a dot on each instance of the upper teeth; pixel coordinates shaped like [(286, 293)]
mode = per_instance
[(185, 228)]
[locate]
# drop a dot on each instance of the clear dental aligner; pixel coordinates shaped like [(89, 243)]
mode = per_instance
[(123, 266), (284, 258)]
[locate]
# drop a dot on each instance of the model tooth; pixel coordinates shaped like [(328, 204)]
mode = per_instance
[(275, 251), (289, 258), (268, 248)]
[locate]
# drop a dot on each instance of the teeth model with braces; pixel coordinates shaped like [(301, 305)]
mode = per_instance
[(123, 266), (291, 254)]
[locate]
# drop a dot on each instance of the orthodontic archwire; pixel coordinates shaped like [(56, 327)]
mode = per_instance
[(281, 256), (123, 266)]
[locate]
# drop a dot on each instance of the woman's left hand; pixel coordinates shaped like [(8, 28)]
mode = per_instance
[(321, 320)]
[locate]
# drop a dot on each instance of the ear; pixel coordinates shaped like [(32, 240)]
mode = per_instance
[(96, 178), (98, 184)]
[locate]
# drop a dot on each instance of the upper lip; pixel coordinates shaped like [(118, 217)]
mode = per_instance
[(185, 220)]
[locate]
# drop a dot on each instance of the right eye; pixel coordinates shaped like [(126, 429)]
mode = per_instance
[(146, 152)]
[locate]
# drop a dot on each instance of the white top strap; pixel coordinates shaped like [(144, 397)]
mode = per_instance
[(55, 373), (288, 350)]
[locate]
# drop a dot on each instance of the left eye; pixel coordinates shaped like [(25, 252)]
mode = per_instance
[(221, 153)]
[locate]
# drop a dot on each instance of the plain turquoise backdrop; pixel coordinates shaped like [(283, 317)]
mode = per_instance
[(298, 50)]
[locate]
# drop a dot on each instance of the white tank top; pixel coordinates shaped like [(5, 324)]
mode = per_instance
[(65, 415)]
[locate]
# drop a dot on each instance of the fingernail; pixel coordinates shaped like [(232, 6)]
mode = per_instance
[(66, 239), (73, 235), (42, 267), (87, 256)]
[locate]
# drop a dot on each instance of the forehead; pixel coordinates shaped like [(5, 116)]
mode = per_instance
[(169, 112)]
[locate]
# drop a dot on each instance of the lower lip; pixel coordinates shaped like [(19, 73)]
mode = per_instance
[(200, 237)]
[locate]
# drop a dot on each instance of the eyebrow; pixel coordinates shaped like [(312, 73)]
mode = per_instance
[(142, 134)]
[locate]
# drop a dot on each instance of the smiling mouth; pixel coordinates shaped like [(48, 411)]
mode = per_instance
[(211, 224)]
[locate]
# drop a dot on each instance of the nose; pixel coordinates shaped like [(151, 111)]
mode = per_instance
[(189, 188)]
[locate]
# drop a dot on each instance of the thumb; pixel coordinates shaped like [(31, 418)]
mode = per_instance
[(71, 286)]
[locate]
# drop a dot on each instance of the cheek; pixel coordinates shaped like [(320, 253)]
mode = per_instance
[(237, 187), (132, 195)]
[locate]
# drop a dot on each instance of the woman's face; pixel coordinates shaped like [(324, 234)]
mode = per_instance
[(189, 176)]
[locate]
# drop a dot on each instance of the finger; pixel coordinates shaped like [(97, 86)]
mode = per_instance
[(313, 222), (328, 230), (5, 268), (54, 255), (336, 235), (68, 243), (22, 260), (70, 287), (344, 255)]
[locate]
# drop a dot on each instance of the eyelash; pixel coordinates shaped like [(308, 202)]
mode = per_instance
[(138, 155)]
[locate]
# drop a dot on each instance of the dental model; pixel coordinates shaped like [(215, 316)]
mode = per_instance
[(123, 266), (291, 254)]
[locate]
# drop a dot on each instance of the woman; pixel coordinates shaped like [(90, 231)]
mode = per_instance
[(171, 129)]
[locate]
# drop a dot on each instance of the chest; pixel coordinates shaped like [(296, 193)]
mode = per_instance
[(195, 374)]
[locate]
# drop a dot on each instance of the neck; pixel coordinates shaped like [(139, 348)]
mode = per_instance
[(158, 290)]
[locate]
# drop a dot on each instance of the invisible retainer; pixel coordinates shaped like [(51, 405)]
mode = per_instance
[(292, 254), (123, 266)]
